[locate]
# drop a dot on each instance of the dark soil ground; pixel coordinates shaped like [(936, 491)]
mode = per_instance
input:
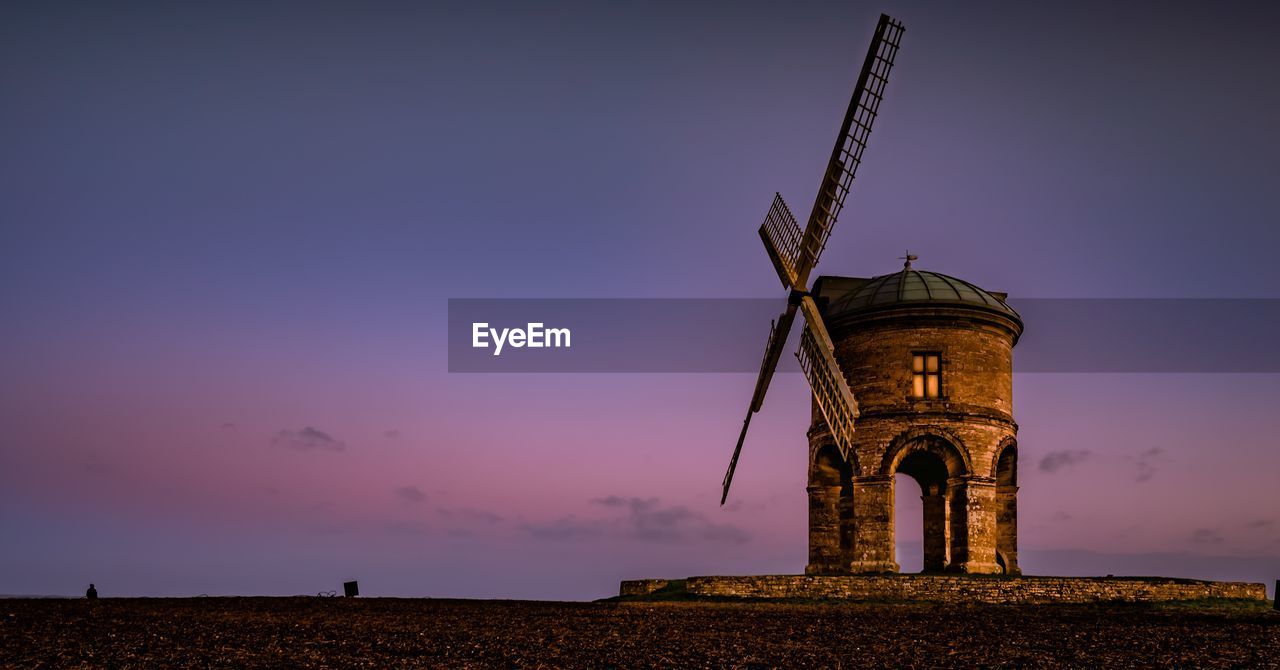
[(338, 633)]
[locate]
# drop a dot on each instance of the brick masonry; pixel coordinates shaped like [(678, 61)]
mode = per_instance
[(642, 587), (958, 588)]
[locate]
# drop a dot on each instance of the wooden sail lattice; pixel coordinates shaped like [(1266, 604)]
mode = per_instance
[(794, 254)]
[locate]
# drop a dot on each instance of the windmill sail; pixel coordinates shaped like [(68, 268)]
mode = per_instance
[(830, 390), (778, 332), (795, 254), (851, 141), (781, 236)]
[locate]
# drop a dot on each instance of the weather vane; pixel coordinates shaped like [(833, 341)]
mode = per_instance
[(908, 258)]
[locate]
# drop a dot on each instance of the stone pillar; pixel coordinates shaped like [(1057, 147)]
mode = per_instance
[(873, 525), (1007, 527), (973, 525), (825, 556), (935, 532), (847, 526)]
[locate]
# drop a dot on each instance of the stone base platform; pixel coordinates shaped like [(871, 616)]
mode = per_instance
[(947, 588)]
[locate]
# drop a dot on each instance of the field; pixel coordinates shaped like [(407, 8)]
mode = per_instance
[(337, 632)]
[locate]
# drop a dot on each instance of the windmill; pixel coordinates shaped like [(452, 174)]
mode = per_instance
[(794, 255)]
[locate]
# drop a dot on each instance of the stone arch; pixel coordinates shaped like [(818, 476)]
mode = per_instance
[(941, 442), (827, 467), (934, 458), (1009, 444), (820, 439), (831, 522), (1004, 470)]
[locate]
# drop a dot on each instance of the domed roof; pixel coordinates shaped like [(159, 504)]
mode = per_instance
[(905, 288)]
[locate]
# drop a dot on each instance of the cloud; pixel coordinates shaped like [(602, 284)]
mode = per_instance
[(643, 519), (1261, 523), (469, 515), (1060, 516), (411, 494), (1147, 464), (567, 528), (1207, 536), (750, 507), (1057, 460), (227, 425), (391, 434), (648, 520), (308, 439)]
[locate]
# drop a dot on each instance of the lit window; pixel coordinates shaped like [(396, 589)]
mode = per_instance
[(926, 375)]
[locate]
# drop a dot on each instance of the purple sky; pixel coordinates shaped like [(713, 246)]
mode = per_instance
[(227, 238)]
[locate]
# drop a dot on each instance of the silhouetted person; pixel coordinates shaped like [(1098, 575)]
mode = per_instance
[(92, 593)]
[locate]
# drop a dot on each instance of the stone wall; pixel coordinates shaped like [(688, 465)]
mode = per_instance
[(970, 589), (971, 524), (642, 587), (977, 361)]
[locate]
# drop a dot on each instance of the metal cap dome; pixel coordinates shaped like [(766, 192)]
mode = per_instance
[(910, 286)]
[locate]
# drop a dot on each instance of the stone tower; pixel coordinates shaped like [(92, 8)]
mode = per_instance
[(930, 360)]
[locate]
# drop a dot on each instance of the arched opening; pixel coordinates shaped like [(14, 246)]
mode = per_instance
[(930, 461), (831, 521), (920, 512), (1006, 476), (908, 524)]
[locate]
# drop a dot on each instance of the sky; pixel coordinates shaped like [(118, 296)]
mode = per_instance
[(229, 234)]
